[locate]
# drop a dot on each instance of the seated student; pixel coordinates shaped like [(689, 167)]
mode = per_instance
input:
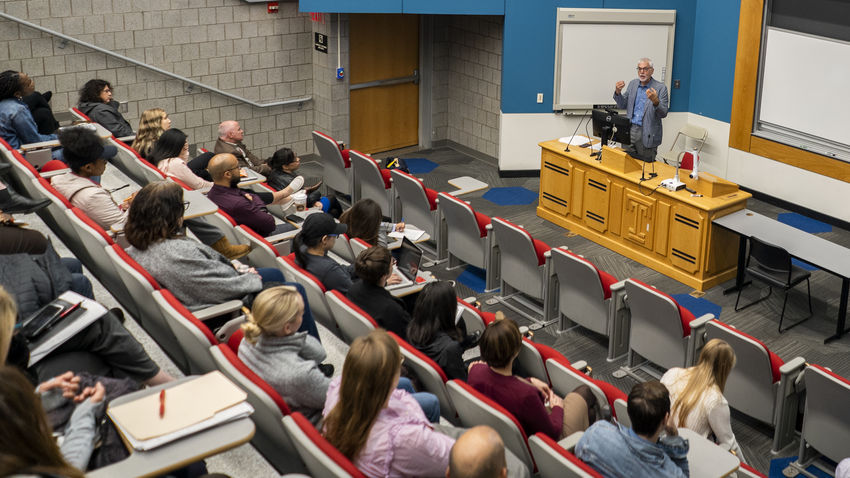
[(152, 124), (288, 360), (617, 451), (17, 125), (96, 102), (380, 428), (365, 221), (170, 154), (42, 114), (245, 207), (696, 394), (196, 275), (318, 234), (31, 269), (230, 136), (435, 332), (87, 157), (282, 171), (26, 442), (374, 269), (525, 398), (29, 447)]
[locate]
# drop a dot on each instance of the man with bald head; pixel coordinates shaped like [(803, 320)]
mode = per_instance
[(230, 136), (246, 207), (478, 453)]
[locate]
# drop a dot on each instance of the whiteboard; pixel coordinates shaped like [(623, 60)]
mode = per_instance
[(598, 47), (804, 83)]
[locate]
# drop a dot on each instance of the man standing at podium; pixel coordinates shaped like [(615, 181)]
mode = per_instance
[(646, 101)]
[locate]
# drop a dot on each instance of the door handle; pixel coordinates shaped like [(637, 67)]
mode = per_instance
[(414, 78)]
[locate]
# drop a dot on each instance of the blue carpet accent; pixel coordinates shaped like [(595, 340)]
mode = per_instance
[(803, 223), (779, 464), (697, 306), (510, 196), (804, 265), (474, 278), (420, 165)]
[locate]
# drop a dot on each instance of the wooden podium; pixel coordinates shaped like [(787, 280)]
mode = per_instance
[(669, 231)]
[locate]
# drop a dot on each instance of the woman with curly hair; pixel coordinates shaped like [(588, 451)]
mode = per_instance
[(17, 125), (153, 123), (197, 275), (96, 102)]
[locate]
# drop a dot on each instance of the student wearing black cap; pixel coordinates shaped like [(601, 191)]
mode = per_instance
[(311, 246)]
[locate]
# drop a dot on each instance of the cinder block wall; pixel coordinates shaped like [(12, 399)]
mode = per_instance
[(467, 81), (228, 44)]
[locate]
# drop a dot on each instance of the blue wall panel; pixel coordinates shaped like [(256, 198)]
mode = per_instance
[(713, 69), (350, 6), (528, 64), (455, 7)]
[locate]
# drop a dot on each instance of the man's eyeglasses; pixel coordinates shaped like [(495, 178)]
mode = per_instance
[(186, 205), (644, 68)]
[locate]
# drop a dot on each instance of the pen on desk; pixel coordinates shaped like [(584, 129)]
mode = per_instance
[(161, 403), (71, 309), (118, 188), (392, 163)]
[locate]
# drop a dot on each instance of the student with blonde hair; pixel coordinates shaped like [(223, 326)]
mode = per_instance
[(696, 395), (152, 124), (8, 316), (288, 360)]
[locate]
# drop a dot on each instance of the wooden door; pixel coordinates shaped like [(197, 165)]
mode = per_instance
[(384, 48)]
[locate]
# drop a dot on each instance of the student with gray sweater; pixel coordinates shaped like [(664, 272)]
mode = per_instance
[(288, 360), (197, 275)]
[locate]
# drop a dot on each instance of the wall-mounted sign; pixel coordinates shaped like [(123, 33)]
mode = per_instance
[(321, 42)]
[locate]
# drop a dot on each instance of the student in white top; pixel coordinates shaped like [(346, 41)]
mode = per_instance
[(696, 395), (170, 154)]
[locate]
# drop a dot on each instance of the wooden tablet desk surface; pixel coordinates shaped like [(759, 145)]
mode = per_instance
[(670, 232)]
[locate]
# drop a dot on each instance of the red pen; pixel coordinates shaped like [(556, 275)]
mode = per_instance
[(73, 308), (161, 403)]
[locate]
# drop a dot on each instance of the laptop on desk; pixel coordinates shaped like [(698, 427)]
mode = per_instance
[(407, 267)]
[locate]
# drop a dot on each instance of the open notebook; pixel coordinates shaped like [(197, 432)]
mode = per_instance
[(189, 407)]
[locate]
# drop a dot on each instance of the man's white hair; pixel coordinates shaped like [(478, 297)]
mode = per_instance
[(646, 60), (226, 127)]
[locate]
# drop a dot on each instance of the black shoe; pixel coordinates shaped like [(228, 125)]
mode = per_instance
[(13, 203), (327, 369), (471, 340)]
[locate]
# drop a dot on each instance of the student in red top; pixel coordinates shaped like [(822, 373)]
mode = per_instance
[(527, 398)]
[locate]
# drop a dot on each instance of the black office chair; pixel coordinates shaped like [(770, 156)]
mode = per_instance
[(772, 264)]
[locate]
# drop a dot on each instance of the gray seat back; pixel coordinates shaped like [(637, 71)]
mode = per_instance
[(353, 322), (519, 267), (430, 375), (580, 295), (368, 182), (555, 462), (194, 341), (342, 248), (826, 419), (271, 438), (315, 294), (335, 175), (529, 363), (750, 387), (413, 203), (131, 164), (464, 239), (565, 379), (308, 443), (656, 327), (473, 408)]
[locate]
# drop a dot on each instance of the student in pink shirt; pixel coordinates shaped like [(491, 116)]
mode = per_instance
[(170, 154), (380, 428)]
